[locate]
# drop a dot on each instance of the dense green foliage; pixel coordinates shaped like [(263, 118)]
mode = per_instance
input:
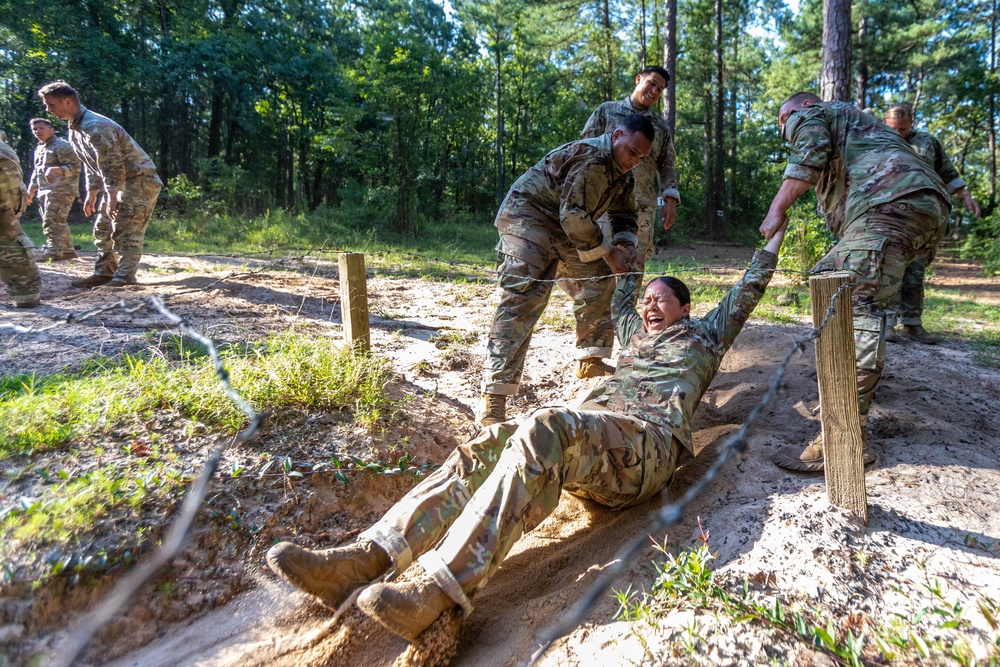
[(398, 112)]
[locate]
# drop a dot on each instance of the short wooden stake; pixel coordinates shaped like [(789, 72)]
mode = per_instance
[(838, 395), (354, 299)]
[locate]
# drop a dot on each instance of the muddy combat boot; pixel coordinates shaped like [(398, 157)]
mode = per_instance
[(919, 334), (406, 608), (593, 367), (60, 256), (810, 459), (492, 409), (95, 280), (123, 281), (331, 574), (890, 335)]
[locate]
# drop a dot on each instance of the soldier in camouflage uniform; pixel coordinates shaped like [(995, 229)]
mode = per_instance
[(620, 448), (118, 171), (17, 267), (655, 178), (56, 181), (908, 304), (886, 205), (548, 223)]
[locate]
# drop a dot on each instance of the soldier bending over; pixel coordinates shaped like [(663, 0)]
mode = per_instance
[(619, 449)]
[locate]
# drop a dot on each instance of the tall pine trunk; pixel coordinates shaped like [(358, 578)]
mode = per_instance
[(670, 64), (835, 78), (719, 170)]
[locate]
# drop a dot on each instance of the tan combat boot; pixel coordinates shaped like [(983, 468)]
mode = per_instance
[(492, 409), (592, 367), (331, 574), (919, 334), (406, 608), (890, 335), (810, 459)]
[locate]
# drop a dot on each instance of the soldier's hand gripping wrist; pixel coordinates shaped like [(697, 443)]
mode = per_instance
[(619, 259)]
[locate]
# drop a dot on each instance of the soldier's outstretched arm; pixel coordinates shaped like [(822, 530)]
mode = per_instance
[(777, 216)]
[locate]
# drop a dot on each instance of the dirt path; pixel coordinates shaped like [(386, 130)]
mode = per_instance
[(934, 513)]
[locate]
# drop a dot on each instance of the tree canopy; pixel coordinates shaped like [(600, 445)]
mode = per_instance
[(403, 111)]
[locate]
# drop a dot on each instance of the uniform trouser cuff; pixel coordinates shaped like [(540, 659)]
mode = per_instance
[(438, 570), (911, 321), (499, 388), (587, 352), (392, 542)]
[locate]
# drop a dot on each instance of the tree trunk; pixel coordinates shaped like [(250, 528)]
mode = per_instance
[(404, 184), (707, 173), (861, 79), (670, 64), (215, 122), (609, 38), (835, 78), (642, 37), (993, 104), (501, 181), (734, 122), (718, 229)]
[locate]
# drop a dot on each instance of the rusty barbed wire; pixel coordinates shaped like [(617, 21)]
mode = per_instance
[(178, 533), (672, 514)]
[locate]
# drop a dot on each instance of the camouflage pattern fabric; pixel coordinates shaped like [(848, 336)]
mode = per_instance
[(121, 241), (547, 224), (856, 162), (56, 199), (907, 306), (508, 479), (17, 267), (660, 379), (656, 176), (876, 250), (113, 162)]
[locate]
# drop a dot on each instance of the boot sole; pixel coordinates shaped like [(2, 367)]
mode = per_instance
[(372, 608), (798, 465)]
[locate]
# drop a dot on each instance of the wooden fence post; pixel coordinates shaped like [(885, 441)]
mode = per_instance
[(838, 395), (354, 299)]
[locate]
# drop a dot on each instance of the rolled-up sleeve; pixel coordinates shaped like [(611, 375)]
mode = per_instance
[(812, 146), (581, 191), (667, 167)]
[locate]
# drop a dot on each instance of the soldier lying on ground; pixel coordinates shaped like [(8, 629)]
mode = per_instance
[(620, 448)]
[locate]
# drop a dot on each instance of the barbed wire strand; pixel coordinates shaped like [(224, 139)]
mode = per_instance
[(178, 533), (672, 514)]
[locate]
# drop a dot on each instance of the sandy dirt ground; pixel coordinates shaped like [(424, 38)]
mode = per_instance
[(934, 513)]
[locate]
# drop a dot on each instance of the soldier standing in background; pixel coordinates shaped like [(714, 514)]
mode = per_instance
[(655, 178), (548, 222), (17, 267), (890, 206), (908, 305), (620, 448), (118, 171), (56, 181)]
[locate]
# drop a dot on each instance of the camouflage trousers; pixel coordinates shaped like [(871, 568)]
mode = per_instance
[(462, 520), (875, 249), (907, 307), (55, 209), (120, 241), (523, 269), (17, 265)]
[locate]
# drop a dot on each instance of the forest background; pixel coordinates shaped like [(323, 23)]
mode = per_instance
[(390, 116)]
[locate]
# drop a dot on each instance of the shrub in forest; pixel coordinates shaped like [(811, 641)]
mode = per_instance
[(807, 239), (983, 242)]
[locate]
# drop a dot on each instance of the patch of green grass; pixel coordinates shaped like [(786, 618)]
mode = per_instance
[(283, 371), (933, 635), (69, 503), (951, 313)]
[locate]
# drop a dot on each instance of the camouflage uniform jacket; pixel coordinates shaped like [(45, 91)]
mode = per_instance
[(13, 194), (568, 190), (659, 165), (930, 149), (110, 156), (855, 161), (661, 378), (56, 153)]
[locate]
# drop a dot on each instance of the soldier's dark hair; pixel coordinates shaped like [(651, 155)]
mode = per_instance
[(802, 96), (636, 122), (59, 90), (34, 121), (656, 69), (677, 286), (899, 111)]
